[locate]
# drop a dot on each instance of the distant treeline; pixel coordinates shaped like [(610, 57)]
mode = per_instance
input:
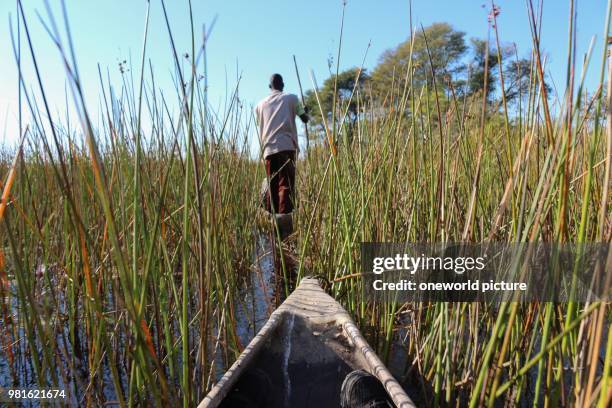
[(437, 57)]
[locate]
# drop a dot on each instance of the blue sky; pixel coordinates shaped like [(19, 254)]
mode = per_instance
[(256, 38)]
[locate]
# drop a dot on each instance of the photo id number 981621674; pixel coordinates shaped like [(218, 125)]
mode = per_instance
[(32, 394)]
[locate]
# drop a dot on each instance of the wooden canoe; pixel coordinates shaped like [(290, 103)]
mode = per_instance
[(306, 348)]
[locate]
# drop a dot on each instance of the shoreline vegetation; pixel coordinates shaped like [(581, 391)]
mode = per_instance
[(126, 256)]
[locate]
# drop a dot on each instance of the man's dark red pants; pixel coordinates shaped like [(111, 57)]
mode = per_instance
[(280, 168)]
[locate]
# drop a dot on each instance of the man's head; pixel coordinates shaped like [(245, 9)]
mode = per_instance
[(276, 82)]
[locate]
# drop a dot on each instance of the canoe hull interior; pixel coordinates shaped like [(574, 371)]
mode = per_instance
[(300, 358), (303, 367)]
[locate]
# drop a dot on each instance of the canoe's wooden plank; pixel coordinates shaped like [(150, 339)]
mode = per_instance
[(311, 303), (377, 368), (225, 384)]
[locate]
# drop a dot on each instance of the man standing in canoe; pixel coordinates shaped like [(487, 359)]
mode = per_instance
[(278, 136)]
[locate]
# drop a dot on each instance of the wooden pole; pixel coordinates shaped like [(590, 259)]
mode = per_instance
[(606, 185), (297, 73)]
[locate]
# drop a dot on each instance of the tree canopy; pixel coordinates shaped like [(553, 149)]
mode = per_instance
[(446, 47), (437, 49), (348, 82)]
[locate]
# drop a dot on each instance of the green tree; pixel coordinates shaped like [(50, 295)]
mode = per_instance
[(446, 46), (478, 66), (348, 81), (518, 77)]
